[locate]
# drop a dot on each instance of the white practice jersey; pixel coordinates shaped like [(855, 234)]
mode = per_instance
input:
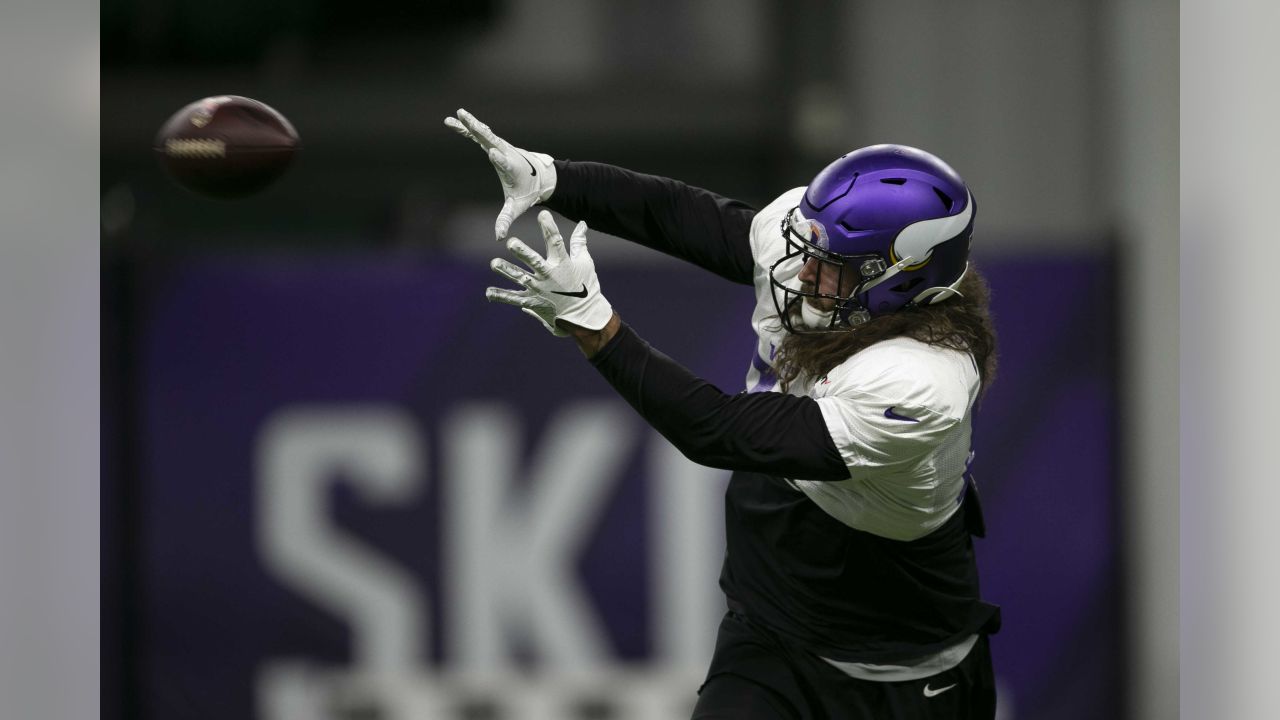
[(899, 411)]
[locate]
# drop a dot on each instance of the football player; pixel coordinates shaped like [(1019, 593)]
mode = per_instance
[(850, 572)]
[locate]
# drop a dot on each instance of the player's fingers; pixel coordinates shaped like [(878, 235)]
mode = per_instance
[(578, 239), (509, 297), (454, 124), (540, 305), (551, 233), (533, 314), (529, 257), (510, 272), (484, 135), (550, 328), (506, 216)]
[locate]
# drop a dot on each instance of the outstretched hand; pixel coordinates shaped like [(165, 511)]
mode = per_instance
[(527, 177), (559, 288)]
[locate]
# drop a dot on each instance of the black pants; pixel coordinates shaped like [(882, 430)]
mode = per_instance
[(756, 676)]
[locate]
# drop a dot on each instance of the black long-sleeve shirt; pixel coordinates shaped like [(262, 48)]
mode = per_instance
[(667, 215)]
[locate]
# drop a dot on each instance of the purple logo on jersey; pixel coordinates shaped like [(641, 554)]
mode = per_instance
[(768, 376), (889, 413)]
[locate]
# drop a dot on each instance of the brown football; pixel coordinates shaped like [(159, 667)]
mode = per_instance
[(226, 146)]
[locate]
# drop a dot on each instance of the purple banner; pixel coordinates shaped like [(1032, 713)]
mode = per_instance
[(368, 493)]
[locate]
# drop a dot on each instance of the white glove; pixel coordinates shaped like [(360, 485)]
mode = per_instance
[(527, 177), (563, 286)]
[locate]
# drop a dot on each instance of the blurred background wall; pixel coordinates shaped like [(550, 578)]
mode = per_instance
[(299, 371)]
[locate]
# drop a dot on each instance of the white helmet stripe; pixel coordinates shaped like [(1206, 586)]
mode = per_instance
[(918, 240)]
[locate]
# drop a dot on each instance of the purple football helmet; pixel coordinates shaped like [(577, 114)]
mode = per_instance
[(892, 222)]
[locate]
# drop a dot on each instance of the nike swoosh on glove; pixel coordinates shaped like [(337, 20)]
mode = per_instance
[(561, 286)]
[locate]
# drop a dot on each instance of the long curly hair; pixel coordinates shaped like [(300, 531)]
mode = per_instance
[(959, 323)]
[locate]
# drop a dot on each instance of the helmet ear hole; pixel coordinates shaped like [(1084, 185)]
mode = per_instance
[(907, 286), (945, 198)]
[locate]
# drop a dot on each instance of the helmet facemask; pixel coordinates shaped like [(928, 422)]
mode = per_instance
[(854, 275)]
